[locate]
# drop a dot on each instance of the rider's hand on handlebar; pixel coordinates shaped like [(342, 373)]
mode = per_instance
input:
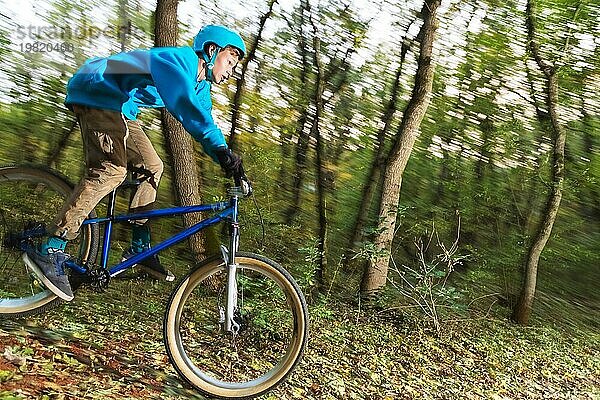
[(232, 165), (230, 162)]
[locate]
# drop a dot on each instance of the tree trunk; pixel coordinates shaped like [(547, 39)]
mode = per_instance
[(524, 305), (486, 157), (533, 189), (124, 24), (374, 277), (319, 164), (186, 180), (299, 167), (260, 80), (591, 208), (301, 134), (286, 152), (373, 180), (325, 177), (239, 85), (340, 67)]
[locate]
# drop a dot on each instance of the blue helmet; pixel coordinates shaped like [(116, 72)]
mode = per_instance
[(221, 37)]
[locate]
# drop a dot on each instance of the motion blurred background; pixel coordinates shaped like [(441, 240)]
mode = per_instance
[(479, 172)]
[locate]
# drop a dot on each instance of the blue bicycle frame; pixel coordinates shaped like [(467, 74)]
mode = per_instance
[(228, 211)]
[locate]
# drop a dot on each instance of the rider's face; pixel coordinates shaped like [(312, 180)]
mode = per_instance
[(226, 61)]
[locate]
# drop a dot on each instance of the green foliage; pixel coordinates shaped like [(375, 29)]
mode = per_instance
[(369, 252), (305, 273)]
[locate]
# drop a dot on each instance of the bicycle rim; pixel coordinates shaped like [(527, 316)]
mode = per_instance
[(29, 200), (274, 325)]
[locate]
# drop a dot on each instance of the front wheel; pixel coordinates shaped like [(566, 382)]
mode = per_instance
[(273, 320)]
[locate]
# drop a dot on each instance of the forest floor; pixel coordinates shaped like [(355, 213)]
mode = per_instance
[(89, 350)]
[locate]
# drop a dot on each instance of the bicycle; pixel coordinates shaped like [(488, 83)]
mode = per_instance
[(234, 327)]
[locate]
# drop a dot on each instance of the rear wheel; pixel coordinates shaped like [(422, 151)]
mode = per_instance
[(30, 198), (273, 321)]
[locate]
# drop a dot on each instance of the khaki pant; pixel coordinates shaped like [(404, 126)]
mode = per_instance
[(110, 144)]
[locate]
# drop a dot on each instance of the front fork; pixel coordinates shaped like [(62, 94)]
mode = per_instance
[(230, 263)]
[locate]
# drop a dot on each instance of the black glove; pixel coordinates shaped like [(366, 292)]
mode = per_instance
[(230, 162)]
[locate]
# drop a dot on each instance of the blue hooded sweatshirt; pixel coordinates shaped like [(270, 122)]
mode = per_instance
[(158, 77)]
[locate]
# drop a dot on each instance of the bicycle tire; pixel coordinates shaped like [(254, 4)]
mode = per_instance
[(33, 194), (265, 355)]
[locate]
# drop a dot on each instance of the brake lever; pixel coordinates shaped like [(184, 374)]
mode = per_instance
[(246, 187), (242, 182)]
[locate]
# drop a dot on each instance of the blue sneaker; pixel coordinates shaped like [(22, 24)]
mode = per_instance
[(150, 265), (49, 269)]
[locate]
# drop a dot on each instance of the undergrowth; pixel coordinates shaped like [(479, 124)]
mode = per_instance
[(110, 347)]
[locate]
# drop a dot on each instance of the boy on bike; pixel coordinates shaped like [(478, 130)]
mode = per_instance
[(105, 94)]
